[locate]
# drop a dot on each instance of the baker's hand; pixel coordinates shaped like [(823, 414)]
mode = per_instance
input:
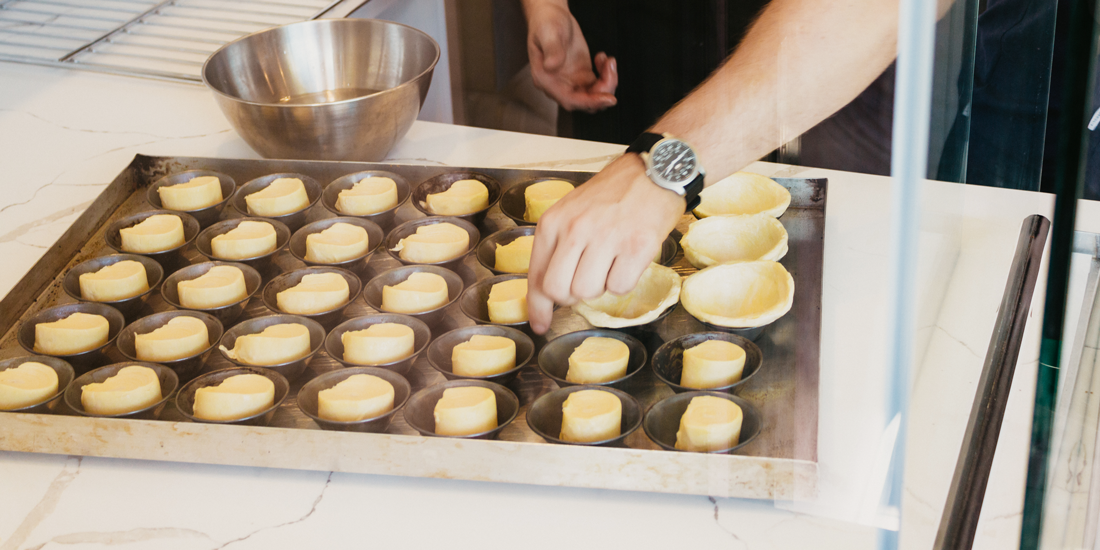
[(560, 61), (599, 237)]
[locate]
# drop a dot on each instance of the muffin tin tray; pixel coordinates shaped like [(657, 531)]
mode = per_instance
[(781, 463)]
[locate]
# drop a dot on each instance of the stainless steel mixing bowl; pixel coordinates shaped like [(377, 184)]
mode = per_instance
[(330, 89)]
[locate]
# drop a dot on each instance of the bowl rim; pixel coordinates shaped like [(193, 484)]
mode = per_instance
[(350, 220), (224, 223), (124, 256), (118, 225), (398, 180), (214, 263), (456, 384), (153, 190), (344, 21), (475, 175), (581, 387), (60, 395), (466, 225), (413, 268)]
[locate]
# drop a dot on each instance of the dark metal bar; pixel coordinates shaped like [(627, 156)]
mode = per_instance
[(959, 522)]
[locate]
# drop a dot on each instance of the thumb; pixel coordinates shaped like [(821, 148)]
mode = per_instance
[(552, 47)]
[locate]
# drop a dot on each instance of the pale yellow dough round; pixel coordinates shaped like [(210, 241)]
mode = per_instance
[(539, 197), (466, 410), (156, 233), (131, 389), (248, 240), (744, 193), (26, 385), (420, 292), (657, 290), (281, 197), (275, 345), (598, 360), (76, 333), (357, 397), (515, 257), (368, 196), (591, 415), (712, 364), (221, 286), (461, 198), (434, 243), (315, 293), (180, 337), (739, 294), (339, 242), (483, 355), (194, 194), (236, 397), (507, 302), (378, 344), (709, 424), (117, 281), (734, 238)]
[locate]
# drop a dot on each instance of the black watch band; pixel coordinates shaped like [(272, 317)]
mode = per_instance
[(644, 143)]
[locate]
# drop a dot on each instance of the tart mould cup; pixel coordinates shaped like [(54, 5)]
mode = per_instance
[(290, 370), (169, 383), (327, 319), (420, 410), (383, 219), (308, 399), (409, 228), (185, 400), (372, 292), (130, 307), (294, 220), (186, 368), (357, 264), (668, 360), (65, 376), (513, 202), (554, 357), (206, 215), (440, 350), (168, 258), (443, 182), (227, 314), (85, 360), (261, 262), (545, 416), (662, 420), (334, 344), (486, 251)]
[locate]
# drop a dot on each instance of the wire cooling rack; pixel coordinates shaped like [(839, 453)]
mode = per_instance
[(167, 40)]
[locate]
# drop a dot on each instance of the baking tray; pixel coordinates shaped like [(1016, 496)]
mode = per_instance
[(781, 463)]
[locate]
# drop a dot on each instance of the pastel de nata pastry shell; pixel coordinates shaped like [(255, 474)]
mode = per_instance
[(434, 243), (709, 424), (739, 294), (657, 290), (734, 238), (117, 281), (339, 242), (744, 193), (157, 233), (280, 197), (132, 388), (358, 397), (540, 196)]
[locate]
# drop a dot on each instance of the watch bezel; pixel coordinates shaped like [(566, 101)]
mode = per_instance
[(659, 179)]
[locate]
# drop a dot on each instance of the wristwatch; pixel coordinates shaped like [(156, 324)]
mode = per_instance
[(672, 164)]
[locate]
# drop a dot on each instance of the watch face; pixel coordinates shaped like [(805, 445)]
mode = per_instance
[(675, 161)]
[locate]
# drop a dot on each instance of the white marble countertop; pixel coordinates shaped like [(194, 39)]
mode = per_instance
[(64, 135)]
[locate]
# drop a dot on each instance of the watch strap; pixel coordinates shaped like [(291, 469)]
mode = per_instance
[(644, 142)]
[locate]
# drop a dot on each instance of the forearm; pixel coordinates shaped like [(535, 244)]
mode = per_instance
[(530, 5), (799, 63)]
